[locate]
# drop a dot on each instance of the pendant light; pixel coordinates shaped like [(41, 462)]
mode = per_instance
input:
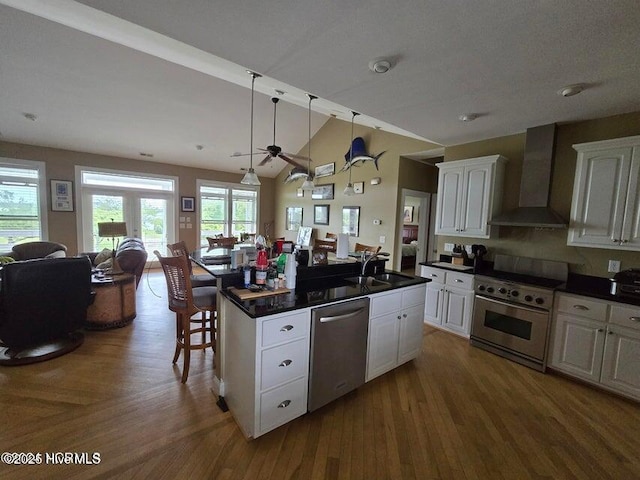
[(250, 178), (308, 183), (349, 189)]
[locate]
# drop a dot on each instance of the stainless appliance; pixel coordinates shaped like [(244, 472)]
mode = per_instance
[(512, 308), (626, 283), (338, 350)]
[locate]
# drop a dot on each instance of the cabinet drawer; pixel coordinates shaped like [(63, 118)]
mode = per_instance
[(283, 404), (286, 328), (384, 303), (284, 363), (625, 316), (583, 307), (460, 280), (413, 296), (435, 274)]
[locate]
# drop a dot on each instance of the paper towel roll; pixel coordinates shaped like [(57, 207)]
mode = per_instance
[(342, 248)]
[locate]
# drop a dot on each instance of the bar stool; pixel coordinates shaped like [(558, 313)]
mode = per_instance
[(204, 280), (186, 301), (360, 247)]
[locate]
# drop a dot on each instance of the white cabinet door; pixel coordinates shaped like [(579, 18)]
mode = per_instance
[(410, 344), (476, 193), (457, 307), (605, 208), (382, 352), (433, 303), (450, 185), (578, 344), (621, 362)]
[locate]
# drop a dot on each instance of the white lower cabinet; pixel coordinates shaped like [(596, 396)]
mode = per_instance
[(449, 299), (395, 329), (597, 341)]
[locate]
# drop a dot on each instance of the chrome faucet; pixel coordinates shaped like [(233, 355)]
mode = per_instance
[(365, 259)]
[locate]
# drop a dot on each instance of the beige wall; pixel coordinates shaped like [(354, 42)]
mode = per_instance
[(381, 201), (60, 165), (549, 244)]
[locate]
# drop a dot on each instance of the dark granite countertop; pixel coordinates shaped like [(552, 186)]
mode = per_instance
[(312, 292), (596, 287)]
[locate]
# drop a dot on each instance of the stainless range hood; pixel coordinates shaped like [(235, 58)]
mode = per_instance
[(535, 184)]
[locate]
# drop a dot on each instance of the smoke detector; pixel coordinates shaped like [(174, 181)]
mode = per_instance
[(380, 65), (571, 90)]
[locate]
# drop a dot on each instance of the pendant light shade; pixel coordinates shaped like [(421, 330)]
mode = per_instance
[(251, 178), (349, 188), (308, 183)]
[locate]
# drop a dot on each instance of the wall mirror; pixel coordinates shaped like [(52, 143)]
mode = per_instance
[(351, 220)]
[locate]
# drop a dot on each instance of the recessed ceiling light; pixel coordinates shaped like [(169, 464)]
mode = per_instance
[(467, 117), (30, 116), (380, 65), (571, 90)]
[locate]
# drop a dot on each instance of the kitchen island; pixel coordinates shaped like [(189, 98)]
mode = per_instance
[(265, 343)]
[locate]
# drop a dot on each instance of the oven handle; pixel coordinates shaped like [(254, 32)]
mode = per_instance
[(506, 304)]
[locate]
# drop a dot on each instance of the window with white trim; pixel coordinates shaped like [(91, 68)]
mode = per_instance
[(23, 205), (228, 210)]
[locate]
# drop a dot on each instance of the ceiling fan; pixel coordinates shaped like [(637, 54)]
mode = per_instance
[(274, 150)]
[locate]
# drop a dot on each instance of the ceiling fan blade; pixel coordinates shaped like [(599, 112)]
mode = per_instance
[(298, 157), (288, 160), (265, 160)]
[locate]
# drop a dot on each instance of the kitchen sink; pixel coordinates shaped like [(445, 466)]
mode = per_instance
[(367, 281), (392, 277)]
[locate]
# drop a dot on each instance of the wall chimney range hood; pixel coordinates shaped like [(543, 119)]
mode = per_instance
[(535, 184)]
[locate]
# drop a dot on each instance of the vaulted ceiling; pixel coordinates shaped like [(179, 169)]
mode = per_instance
[(163, 77)]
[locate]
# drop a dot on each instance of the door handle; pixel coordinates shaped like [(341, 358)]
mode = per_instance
[(341, 317), (634, 319)]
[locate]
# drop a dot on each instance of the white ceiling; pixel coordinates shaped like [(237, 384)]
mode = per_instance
[(121, 77)]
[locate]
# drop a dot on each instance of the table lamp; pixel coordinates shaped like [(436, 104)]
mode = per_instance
[(113, 229)]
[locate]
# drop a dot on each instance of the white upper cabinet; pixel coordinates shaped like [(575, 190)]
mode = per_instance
[(469, 194), (605, 211)]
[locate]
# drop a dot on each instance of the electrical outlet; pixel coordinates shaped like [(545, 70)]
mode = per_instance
[(614, 266), (383, 238), (448, 247)]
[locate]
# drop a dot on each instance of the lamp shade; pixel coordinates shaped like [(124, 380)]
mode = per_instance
[(112, 229)]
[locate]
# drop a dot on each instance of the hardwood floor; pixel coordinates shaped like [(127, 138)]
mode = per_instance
[(456, 412)]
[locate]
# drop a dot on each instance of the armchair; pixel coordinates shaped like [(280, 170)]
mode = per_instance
[(43, 307), (31, 250)]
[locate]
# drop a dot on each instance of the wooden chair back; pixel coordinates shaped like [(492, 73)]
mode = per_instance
[(360, 247), (328, 245), (332, 235), (180, 249), (222, 242)]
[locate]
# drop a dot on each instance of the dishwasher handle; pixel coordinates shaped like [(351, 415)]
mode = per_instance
[(344, 316)]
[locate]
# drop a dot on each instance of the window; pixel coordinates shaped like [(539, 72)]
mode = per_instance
[(22, 202), (227, 210)]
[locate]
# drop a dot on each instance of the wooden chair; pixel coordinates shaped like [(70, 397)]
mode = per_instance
[(367, 248), (332, 235), (203, 280), (328, 245), (186, 301), (222, 242)]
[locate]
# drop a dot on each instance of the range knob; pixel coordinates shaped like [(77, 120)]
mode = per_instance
[(539, 300), (502, 290), (481, 288), (528, 298), (515, 293), (490, 289)]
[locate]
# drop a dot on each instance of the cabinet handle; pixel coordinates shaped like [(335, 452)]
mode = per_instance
[(434, 275), (399, 317), (286, 328), (634, 319), (404, 315), (624, 241), (284, 404), (601, 330), (285, 363), (609, 332), (615, 240), (580, 307), (457, 280)]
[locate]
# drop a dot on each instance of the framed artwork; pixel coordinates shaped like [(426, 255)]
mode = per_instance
[(293, 218), (358, 187), (321, 214), (322, 192), (408, 214), (61, 196), (300, 192), (188, 204), (325, 170), (351, 221)]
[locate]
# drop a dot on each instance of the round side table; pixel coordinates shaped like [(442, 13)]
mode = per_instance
[(115, 302)]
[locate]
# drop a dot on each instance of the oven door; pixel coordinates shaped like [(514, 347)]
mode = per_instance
[(517, 328)]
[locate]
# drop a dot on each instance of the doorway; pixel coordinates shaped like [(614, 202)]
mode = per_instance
[(417, 233)]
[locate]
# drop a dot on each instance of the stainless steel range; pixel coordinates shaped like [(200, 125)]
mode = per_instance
[(512, 309)]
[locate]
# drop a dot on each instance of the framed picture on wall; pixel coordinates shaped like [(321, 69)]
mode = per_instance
[(322, 192), (408, 214), (321, 214), (358, 187), (188, 204), (61, 196)]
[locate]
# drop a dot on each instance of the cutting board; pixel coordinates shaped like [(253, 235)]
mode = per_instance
[(451, 266), (245, 294)]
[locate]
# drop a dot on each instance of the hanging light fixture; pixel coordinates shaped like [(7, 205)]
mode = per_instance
[(349, 189), (250, 178), (308, 183)]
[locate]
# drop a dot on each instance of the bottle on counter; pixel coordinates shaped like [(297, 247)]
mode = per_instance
[(247, 276)]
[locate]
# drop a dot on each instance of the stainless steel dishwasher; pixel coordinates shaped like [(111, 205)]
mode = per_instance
[(338, 350)]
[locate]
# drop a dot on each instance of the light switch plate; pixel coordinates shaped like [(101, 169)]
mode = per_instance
[(614, 266), (383, 238)]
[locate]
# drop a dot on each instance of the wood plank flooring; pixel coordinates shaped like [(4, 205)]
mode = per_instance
[(454, 413)]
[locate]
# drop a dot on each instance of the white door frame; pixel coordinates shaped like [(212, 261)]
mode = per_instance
[(424, 226)]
